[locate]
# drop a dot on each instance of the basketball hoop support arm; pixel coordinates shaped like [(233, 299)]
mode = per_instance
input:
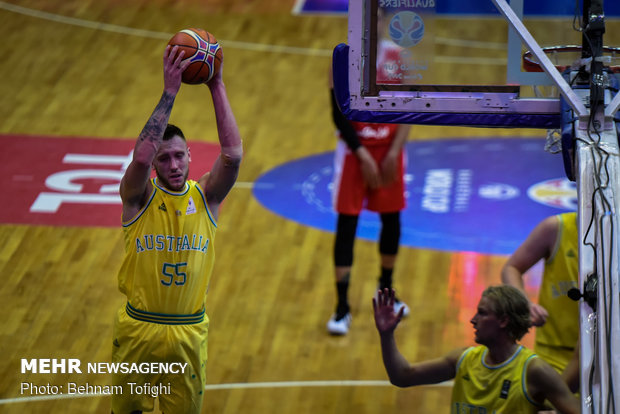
[(613, 106), (564, 88)]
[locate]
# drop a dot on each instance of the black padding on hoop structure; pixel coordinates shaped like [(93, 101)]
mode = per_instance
[(567, 130), (568, 138)]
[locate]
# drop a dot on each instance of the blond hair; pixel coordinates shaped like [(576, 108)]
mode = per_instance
[(511, 302)]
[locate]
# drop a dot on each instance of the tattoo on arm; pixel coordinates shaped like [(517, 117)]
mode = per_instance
[(154, 128)]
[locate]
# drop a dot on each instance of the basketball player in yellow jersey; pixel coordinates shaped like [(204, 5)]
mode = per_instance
[(555, 239), (498, 376), (169, 222)]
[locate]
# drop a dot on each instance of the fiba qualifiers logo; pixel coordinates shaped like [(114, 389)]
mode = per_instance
[(406, 29), (559, 192)]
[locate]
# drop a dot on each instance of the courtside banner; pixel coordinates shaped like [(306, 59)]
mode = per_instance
[(71, 181)]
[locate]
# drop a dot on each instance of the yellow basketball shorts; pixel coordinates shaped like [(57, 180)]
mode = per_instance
[(144, 351)]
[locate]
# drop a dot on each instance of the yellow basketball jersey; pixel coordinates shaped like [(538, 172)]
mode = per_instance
[(561, 274), (169, 256), (480, 388)]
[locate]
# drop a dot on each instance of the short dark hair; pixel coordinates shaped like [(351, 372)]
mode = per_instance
[(510, 301), (171, 131)]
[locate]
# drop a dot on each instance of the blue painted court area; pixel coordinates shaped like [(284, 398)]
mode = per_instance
[(481, 195)]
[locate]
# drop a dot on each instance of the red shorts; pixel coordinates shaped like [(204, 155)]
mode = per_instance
[(350, 192)]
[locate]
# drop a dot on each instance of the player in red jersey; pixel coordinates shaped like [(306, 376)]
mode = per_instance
[(369, 174)]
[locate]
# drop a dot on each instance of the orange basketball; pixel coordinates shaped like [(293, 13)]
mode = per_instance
[(203, 50)]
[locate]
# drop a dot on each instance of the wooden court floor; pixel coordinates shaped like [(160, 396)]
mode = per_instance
[(93, 68)]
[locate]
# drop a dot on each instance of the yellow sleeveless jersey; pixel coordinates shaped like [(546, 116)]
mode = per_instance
[(169, 256), (480, 388), (561, 274)]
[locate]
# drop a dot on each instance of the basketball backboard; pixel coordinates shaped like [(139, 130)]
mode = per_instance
[(413, 61)]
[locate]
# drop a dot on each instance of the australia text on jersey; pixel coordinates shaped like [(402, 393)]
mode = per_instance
[(161, 242)]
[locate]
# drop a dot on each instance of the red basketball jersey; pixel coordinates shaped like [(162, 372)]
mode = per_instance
[(373, 134)]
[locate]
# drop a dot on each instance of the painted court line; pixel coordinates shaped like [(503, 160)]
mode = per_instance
[(251, 184), (113, 28), (257, 47)]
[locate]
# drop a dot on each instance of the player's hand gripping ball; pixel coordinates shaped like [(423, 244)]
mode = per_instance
[(202, 50)]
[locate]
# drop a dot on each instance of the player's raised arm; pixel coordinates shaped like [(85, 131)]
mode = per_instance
[(538, 245), (133, 189), (399, 370), (218, 182)]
